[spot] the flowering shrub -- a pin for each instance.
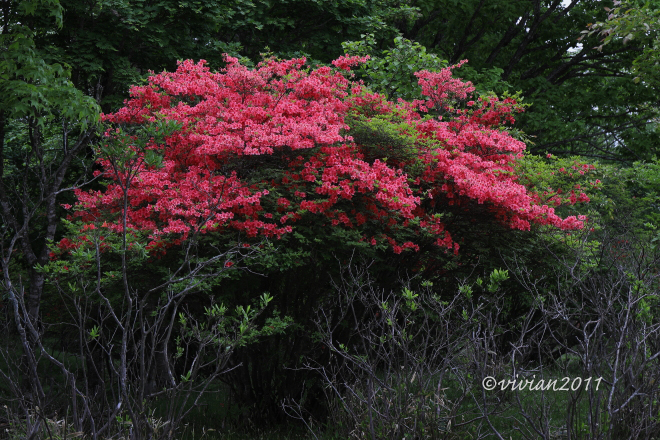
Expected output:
(196, 151)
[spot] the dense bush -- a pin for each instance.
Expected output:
(283, 150)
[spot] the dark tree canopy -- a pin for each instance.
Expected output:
(113, 44)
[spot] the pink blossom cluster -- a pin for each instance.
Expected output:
(284, 117)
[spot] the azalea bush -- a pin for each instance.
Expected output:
(216, 179)
(259, 151)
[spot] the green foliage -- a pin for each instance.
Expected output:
(630, 197)
(391, 71)
(148, 139)
(497, 277)
(618, 194)
(555, 179)
(634, 22)
(383, 137)
(33, 87)
(112, 44)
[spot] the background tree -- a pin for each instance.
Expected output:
(45, 123)
(583, 99)
(112, 45)
(633, 22)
